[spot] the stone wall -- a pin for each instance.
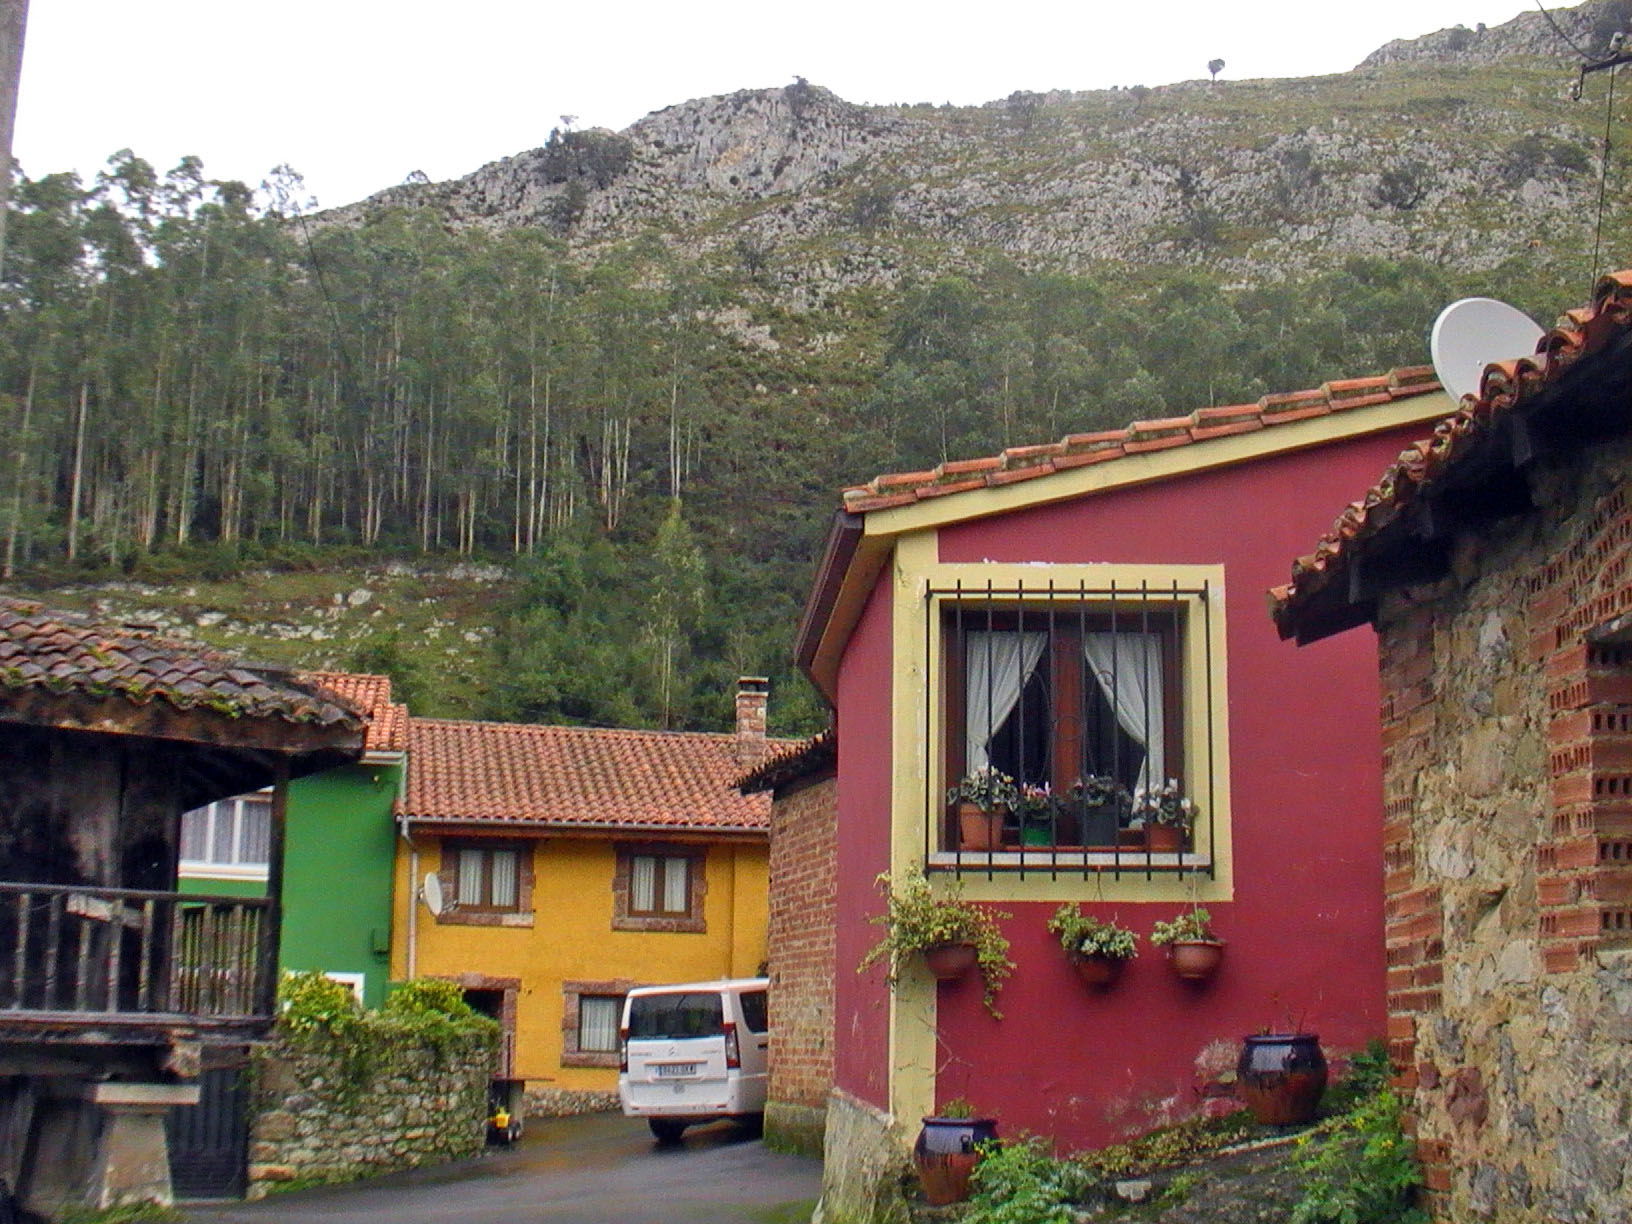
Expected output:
(1507, 720)
(801, 939)
(866, 1172)
(314, 1121)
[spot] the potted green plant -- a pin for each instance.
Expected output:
(1193, 950)
(948, 1149)
(1166, 815)
(1034, 805)
(1099, 803)
(1097, 950)
(983, 798)
(952, 934)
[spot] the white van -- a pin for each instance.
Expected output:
(694, 1052)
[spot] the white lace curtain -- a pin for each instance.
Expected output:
(1128, 667)
(997, 664)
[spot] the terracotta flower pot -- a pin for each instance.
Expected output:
(1165, 839)
(1195, 959)
(949, 961)
(978, 828)
(1098, 971)
(946, 1153)
(1281, 1077)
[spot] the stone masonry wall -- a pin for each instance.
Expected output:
(307, 1124)
(802, 900)
(1507, 731)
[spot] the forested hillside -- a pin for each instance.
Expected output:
(639, 433)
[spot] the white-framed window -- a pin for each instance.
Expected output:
(229, 839)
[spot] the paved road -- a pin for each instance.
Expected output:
(601, 1169)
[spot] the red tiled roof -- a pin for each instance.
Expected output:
(577, 777)
(1504, 387)
(803, 759)
(387, 722)
(67, 654)
(1079, 450)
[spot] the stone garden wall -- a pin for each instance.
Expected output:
(317, 1119)
(1507, 730)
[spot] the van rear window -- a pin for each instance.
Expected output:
(754, 1011)
(676, 1015)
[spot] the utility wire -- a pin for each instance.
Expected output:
(1603, 186)
(1557, 29)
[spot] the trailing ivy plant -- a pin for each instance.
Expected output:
(916, 918)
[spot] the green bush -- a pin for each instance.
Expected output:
(1021, 1183)
(1360, 1168)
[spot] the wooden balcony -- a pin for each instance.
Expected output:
(80, 963)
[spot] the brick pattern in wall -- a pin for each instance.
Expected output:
(802, 924)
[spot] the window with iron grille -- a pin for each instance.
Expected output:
(230, 837)
(1084, 706)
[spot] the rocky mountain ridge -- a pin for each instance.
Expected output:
(1420, 152)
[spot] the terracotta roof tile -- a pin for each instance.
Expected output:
(1503, 387)
(1020, 463)
(387, 721)
(71, 655)
(577, 777)
(804, 759)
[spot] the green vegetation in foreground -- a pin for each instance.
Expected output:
(1355, 1166)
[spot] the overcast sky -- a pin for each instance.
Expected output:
(356, 94)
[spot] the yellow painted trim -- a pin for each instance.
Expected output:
(917, 766)
(1159, 465)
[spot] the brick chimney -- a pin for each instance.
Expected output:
(752, 694)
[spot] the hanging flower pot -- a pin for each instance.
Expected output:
(1098, 971)
(1195, 960)
(949, 961)
(946, 1153)
(1281, 1077)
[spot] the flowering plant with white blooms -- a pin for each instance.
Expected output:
(1164, 805)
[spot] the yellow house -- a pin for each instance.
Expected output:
(570, 864)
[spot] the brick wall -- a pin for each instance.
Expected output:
(1507, 732)
(802, 882)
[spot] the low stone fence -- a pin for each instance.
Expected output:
(323, 1113)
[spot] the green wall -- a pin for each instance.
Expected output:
(337, 874)
(337, 861)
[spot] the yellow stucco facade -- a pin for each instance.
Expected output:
(568, 937)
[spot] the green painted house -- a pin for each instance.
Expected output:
(338, 848)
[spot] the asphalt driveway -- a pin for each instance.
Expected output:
(600, 1169)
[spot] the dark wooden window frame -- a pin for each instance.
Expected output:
(572, 995)
(626, 918)
(466, 913)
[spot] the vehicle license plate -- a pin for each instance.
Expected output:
(665, 1070)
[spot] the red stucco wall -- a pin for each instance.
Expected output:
(1305, 929)
(861, 1002)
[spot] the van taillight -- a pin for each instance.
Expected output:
(623, 1049)
(733, 1055)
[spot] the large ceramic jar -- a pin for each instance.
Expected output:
(946, 1153)
(1281, 1077)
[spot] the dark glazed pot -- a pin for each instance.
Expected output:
(1281, 1077)
(949, 961)
(947, 1151)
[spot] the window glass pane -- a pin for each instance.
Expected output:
(674, 885)
(643, 883)
(598, 1022)
(504, 879)
(195, 833)
(676, 1015)
(255, 832)
(470, 877)
(755, 1013)
(221, 831)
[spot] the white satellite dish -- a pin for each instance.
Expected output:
(1471, 334)
(431, 893)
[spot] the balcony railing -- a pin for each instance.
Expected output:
(72, 955)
